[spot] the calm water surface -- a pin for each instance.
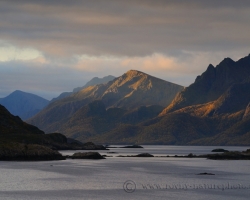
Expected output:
(147, 178)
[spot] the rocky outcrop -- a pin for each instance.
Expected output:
(92, 146)
(87, 155)
(30, 152)
(144, 155)
(205, 173)
(133, 146)
(232, 155)
(219, 150)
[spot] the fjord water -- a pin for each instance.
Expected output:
(154, 178)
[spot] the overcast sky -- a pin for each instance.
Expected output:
(48, 47)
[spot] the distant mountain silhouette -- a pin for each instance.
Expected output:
(129, 91)
(93, 81)
(23, 104)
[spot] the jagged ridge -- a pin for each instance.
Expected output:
(212, 83)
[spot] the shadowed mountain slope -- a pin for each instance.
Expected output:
(93, 119)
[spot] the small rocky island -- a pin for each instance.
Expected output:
(230, 155)
(225, 155)
(135, 146)
(219, 150)
(87, 155)
(138, 155)
(132, 146)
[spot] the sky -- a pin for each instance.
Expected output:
(48, 47)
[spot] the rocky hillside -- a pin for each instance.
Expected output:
(128, 92)
(214, 110)
(23, 104)
(212, 83)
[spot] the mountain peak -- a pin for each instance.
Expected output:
(208, 74)
(134, 73)
(17, 91)
(210, 66)
(23, 104)
(227, 61)
(211, 84)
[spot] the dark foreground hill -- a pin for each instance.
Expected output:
(20, 141)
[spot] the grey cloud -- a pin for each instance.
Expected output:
(132, 28)
(120, 28)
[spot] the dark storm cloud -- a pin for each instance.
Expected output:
(133, 28)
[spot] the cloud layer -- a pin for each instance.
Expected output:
(169, 39)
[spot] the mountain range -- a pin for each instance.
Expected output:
(214, 110)
(26, 105)
(23, 104)
(137, 108)
(132, 95)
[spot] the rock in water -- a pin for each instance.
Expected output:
(87, 155)
(144, 155)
